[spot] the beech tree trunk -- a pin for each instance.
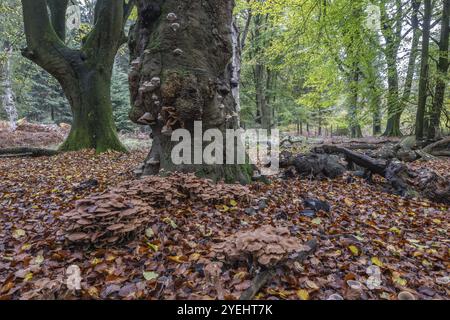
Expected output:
(442, 68)
(182, 72)
(85, 74)
(415, 4)
(391, 30)
(423, 82)
(355, 127)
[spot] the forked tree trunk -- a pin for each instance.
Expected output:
(181, 73)
(85, 74)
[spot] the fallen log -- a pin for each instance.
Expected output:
(27, 152)
(363, 146)
(404, 181)
(313, 165)
(374, 165)
(438, 147)
(267, 275)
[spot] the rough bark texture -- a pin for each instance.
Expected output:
(182, 56)
(85, 74)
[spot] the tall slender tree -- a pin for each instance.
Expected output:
(392, 33)
(442, 73)
(84, 74)
(424, 72)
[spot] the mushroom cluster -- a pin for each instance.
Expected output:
(105, 219)
(171, 190)
(266, 246)
(126, 211)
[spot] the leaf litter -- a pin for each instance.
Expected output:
(372, 245)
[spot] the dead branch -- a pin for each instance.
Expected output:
(27, 152)
(265, 276)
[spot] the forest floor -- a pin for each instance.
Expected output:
(407, 239)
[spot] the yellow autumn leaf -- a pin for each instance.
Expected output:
(18, 233)
(354, 250)
(93, 292)
(282, 294)
(233, 203)
(349, 202)
(170, 222)
(426, 263)
(303, 294)
(194, 257)
(28, 276)
(39, 259)
(396, 230)
(240, 275)
(110, 258)
(150, 275)
(377, 262)
(259, 296)
(176, 259)
(400, 281)
(152, 246)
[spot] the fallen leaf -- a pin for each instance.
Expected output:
(303, 294)
(150, 275)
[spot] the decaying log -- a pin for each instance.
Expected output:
(403, 180)
(315, 165)
(374, 165)
(439, 146)
(363, 146)
(265, 276)
(27, 152)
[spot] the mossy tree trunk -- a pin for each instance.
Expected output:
(182, 73)
(85, 74)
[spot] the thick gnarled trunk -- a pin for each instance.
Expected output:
(181, 73)
(85, 74)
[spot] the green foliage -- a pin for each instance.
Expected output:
(326, 55)
(120, 98)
